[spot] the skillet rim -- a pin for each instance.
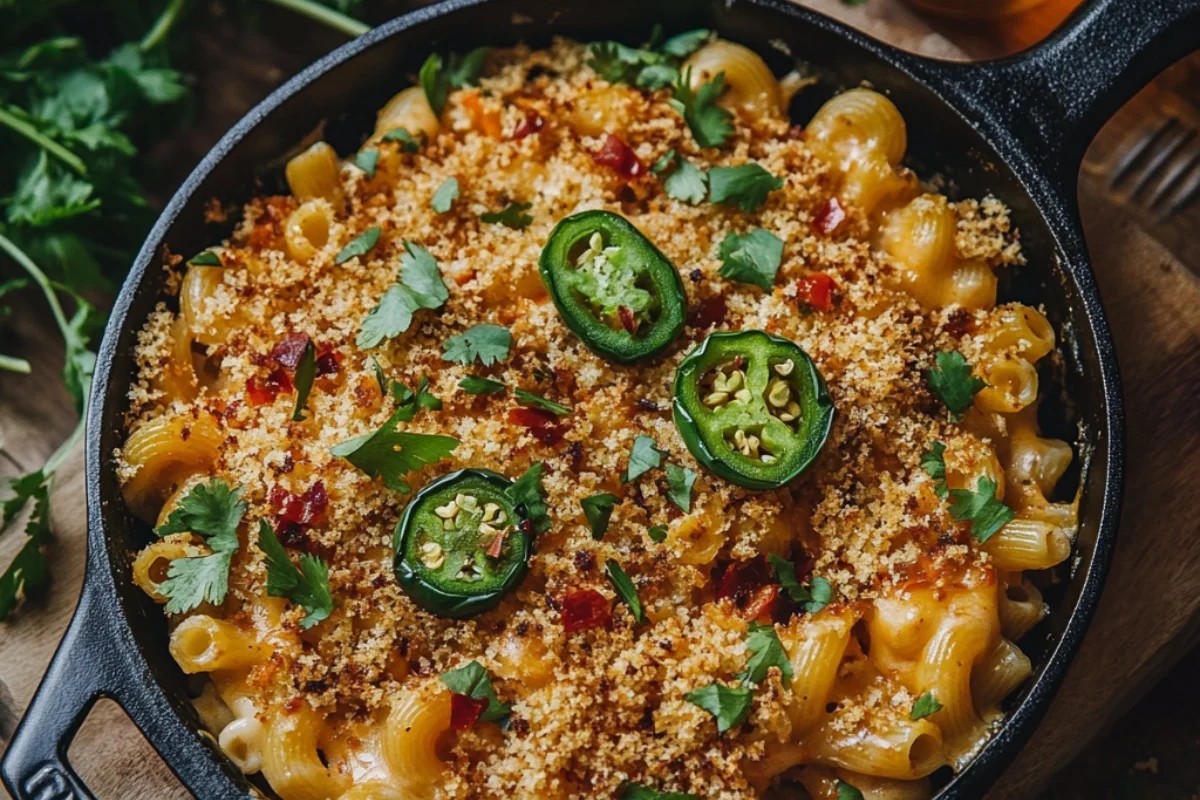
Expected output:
(1054, 203)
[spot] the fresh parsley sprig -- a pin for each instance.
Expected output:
(527, 491)
(952, 382)
(391, 454)
(420, 287)
(811, 598)
(710, 124)
(979, 506)
(438, 77)
(307, 587)
(752, 257)
(212, 511)
(488, 343)
(684, 180)
(746, 186)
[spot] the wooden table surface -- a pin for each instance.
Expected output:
(1148, 616)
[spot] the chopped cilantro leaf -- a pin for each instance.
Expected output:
(306, 371)
(362, 244)
(812, 599)
(408, 142)
(598, 510)
(710, 124)
(391, 454)
(845, 790)
(657, 76)
(766, 651)
(207, 258)
(420, 286)
(367, 160)
(981, 507)
(679, 486)
(472, 680)
(951, 380)
(445, 195)
(729, 706)
(682, 45)
(925, 705)
(527, 491)
(488, 343)
(933, 461)
(530, 399)
(752, 257)
(438, 78)
(685, 182)
(213, 512)
(307, 587)
(636, 791)
(513, 216)
(746, 186)
(625, 588)
(657, 533)
(474, 384)
(644, 456)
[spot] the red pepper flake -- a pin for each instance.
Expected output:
(289, 351)
(628, 321)
(532, 123)
(465, 711)
(708, 312)
(620, 156)
(497, 545)
(295, 513)
(583, 609)
(816, 291)
(829, 218)
(542, 425)
(328, 363)
(761, 603)
(265, 391)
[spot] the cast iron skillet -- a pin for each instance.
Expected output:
(1017, 128)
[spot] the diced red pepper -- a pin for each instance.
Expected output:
(620, 156)
(583, 609)
(829, 218)
(742, 579)
(708, 312)
(265, 391)
(761, 603)
(542, 425)
(465, 711)
(289, 351)
(328, 363)
(532, 123)
(297, 512)
(816, 291)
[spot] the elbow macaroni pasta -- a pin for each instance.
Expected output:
(352, 709)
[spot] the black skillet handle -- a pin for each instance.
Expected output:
(1056, 96)
(35, 766)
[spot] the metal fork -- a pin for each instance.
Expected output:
(1161, 170)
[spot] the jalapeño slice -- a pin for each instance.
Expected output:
(462, 544)
(752, 408)
(612, 286)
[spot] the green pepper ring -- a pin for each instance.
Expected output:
(709, 447)
(617, 345)
(434, 598)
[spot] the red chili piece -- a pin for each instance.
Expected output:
(289, 351)
(298, 512)
(620, 156)
(742, 580)
(583, 609)
(532, 123)
(328, 363)
(708, 312)
(465, 711)
(830, 217)
(817, 291)
(265, 391)
(542, 425)
(761, 603)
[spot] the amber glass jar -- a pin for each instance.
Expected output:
(975, 9)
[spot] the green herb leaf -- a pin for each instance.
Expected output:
(213, 512)
(981, 507)
(530, 399)
(598, 509)
(685, 182)
(625, 588)
(846, 791)
(934, 463)
(952, 382)
(513, 216)
(420, 286)
(445, 195)
(28, 569)
(682, 45)
(746, 186)
(206, 258)
(361, 245)
(472, 681)
(408, 142)
(657, 533)
(729, 706)
(679, 486)
(752, 257)
(437, 78)
(383, 380)
(307, 587)
(619, 63)
(527, 491)
(636, 791)
(811, 599)
(391, 454)
(488, 343)
(474, 384)
(306, 371)
(710, 124)
(367, 160)
(925, 705)
(657, 76)
(409, 402)
(425, 398)
(644, 456)
(766, 651)
(192, 581)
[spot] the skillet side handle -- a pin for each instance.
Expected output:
(35, 766)
(1056, 96)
